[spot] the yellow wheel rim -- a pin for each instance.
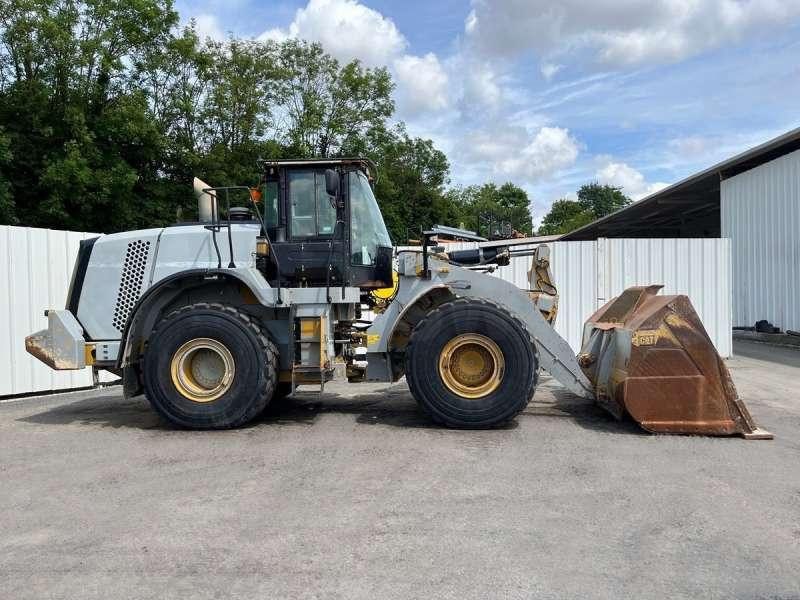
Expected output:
(202, 369)
(471, 365)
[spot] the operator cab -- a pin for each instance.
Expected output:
(324, 225)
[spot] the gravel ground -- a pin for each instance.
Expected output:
(356, 494)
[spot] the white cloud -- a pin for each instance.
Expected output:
(549, 70)
(350, 30)
(207, 26)
(618, 32)
(471, 22)
(692, 145)
(551, 150)
(480, 85)
(347, 30)
(422, 84)
(631, 181)
(275, 34)
(516, 152)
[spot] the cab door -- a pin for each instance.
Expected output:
(311, 217)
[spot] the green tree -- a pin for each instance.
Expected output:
(594, 201)
(327, 107)
(516, 207)
(486, 208)
(80, 134)
(412, 174)
(176, 84)
(7, 209)
(564, 216)
(601, 200)
(237, 112)
(110, 111)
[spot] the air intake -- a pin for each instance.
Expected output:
(130, 283)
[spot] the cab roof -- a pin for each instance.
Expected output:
(366, 165)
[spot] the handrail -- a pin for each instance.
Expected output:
(214, 227)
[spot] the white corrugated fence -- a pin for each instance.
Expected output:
(35, 269)
(37, 265)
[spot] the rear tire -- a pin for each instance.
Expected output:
(209, 366)
(471, 364)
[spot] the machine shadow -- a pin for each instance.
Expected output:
(391, 406)
(384, 407)
(106, 410)
(585, 413)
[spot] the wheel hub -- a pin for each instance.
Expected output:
(471, 365)
(202, 369)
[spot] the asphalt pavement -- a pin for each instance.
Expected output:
(356, 494)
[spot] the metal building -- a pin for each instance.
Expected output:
(754, 200)
(760, 212)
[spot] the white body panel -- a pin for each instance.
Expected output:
(191, 247)
(100, 292)
(110, 290)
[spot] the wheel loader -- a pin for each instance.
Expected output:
(214, 319)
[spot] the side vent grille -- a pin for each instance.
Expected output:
(130, 284)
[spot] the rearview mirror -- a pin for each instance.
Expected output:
(332, 183)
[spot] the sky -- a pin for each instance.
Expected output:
(551, 95)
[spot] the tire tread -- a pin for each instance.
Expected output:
(441, 311)
(270, 381)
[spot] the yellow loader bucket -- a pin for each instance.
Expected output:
(649, 356)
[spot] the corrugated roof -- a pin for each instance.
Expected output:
(689, 206)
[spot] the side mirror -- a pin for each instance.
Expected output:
(332, 183)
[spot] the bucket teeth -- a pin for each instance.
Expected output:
(649, 356)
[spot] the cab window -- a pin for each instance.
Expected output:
(367, 229)
(271, 204)
(312, 213)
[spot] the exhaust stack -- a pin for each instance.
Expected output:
(206, 202)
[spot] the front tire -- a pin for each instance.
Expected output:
(209, 366)
(471, 364)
